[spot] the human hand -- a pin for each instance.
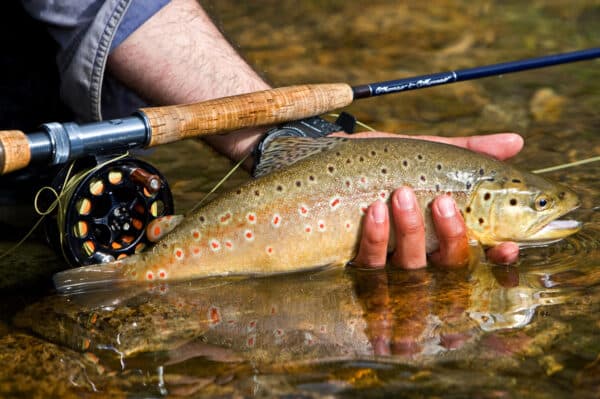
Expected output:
(408, 221)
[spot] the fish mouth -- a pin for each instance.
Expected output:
(553, 231)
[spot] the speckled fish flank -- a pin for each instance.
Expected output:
(307, 212)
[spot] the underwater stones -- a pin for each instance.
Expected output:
(546, 105)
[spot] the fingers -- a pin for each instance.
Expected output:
(373, 245)
(503, 254)
(410, 236)
(500, 146)
(451, 232)
(410, 230)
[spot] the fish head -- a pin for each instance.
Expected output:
(521, 207)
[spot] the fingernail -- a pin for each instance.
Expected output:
(445, 206)
(378, 212)
(404, 199)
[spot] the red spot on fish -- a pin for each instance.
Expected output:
(196, 251)
(303, 210)
(276, 221)
(178, 253)
(162, 274)
(335, 202)
(251, 341)
(224, 219)
(270, 250)
(252, 324)
(273, 310)
(149, 275)
(251, 217)
(249, 235)
(279, 332)
(229, 244)
(214, 316)
(215, 245)
(156, 231)
(321, 225)
(363, 180)
(196, 234)
(307, 228)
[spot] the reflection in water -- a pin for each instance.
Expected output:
(270, 325)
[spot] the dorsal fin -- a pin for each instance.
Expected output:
(285, 151)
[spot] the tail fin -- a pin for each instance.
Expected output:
(89, 278)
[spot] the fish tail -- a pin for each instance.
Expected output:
(89, 277)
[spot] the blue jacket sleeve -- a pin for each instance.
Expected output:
(86, 31)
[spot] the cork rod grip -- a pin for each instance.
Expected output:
(15, 153)
(177, 122)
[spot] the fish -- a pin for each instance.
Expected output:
(305, 210)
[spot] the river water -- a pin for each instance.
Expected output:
(527, 330)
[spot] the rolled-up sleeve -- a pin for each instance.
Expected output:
(86, 31)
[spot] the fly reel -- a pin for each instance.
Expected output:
(107, 206)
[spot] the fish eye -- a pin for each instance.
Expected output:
(542, 202)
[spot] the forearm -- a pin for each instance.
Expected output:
(179, 56)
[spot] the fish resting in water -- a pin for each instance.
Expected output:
(305, 210)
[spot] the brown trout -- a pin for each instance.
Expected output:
(305, 210)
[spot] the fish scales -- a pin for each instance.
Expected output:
(309, 214)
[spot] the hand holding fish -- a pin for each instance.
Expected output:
(408, 223)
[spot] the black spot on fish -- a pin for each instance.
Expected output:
(481, 220)
(468, 185)
(468, 210)
(419, 157)
(338, 153)
(331, 169)
(257, 193)
(487, 196)
(238, 191)
(516, 181)
(437, 187)
(384, 171)
(201, 219)
(385, 149)
(405, 163)
(513, 201)
(373, 153)
(279, 188)
(438, 167)
(298, 183)
(481, 172)
(423, 178)
(361, 159)
(348, 160)
(311, 178)
(561, 195)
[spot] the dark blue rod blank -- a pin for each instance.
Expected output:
(436, 79)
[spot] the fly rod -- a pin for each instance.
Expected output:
(58, 143)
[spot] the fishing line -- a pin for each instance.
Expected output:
(359, 123)
(223, 180)
(567, 165)
(69, 185)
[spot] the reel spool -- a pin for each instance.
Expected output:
(106, 213)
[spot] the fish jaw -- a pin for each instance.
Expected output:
(554, 231)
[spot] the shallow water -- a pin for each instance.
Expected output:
(529, 330)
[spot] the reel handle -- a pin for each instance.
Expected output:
(178, 122)
(15, 152)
